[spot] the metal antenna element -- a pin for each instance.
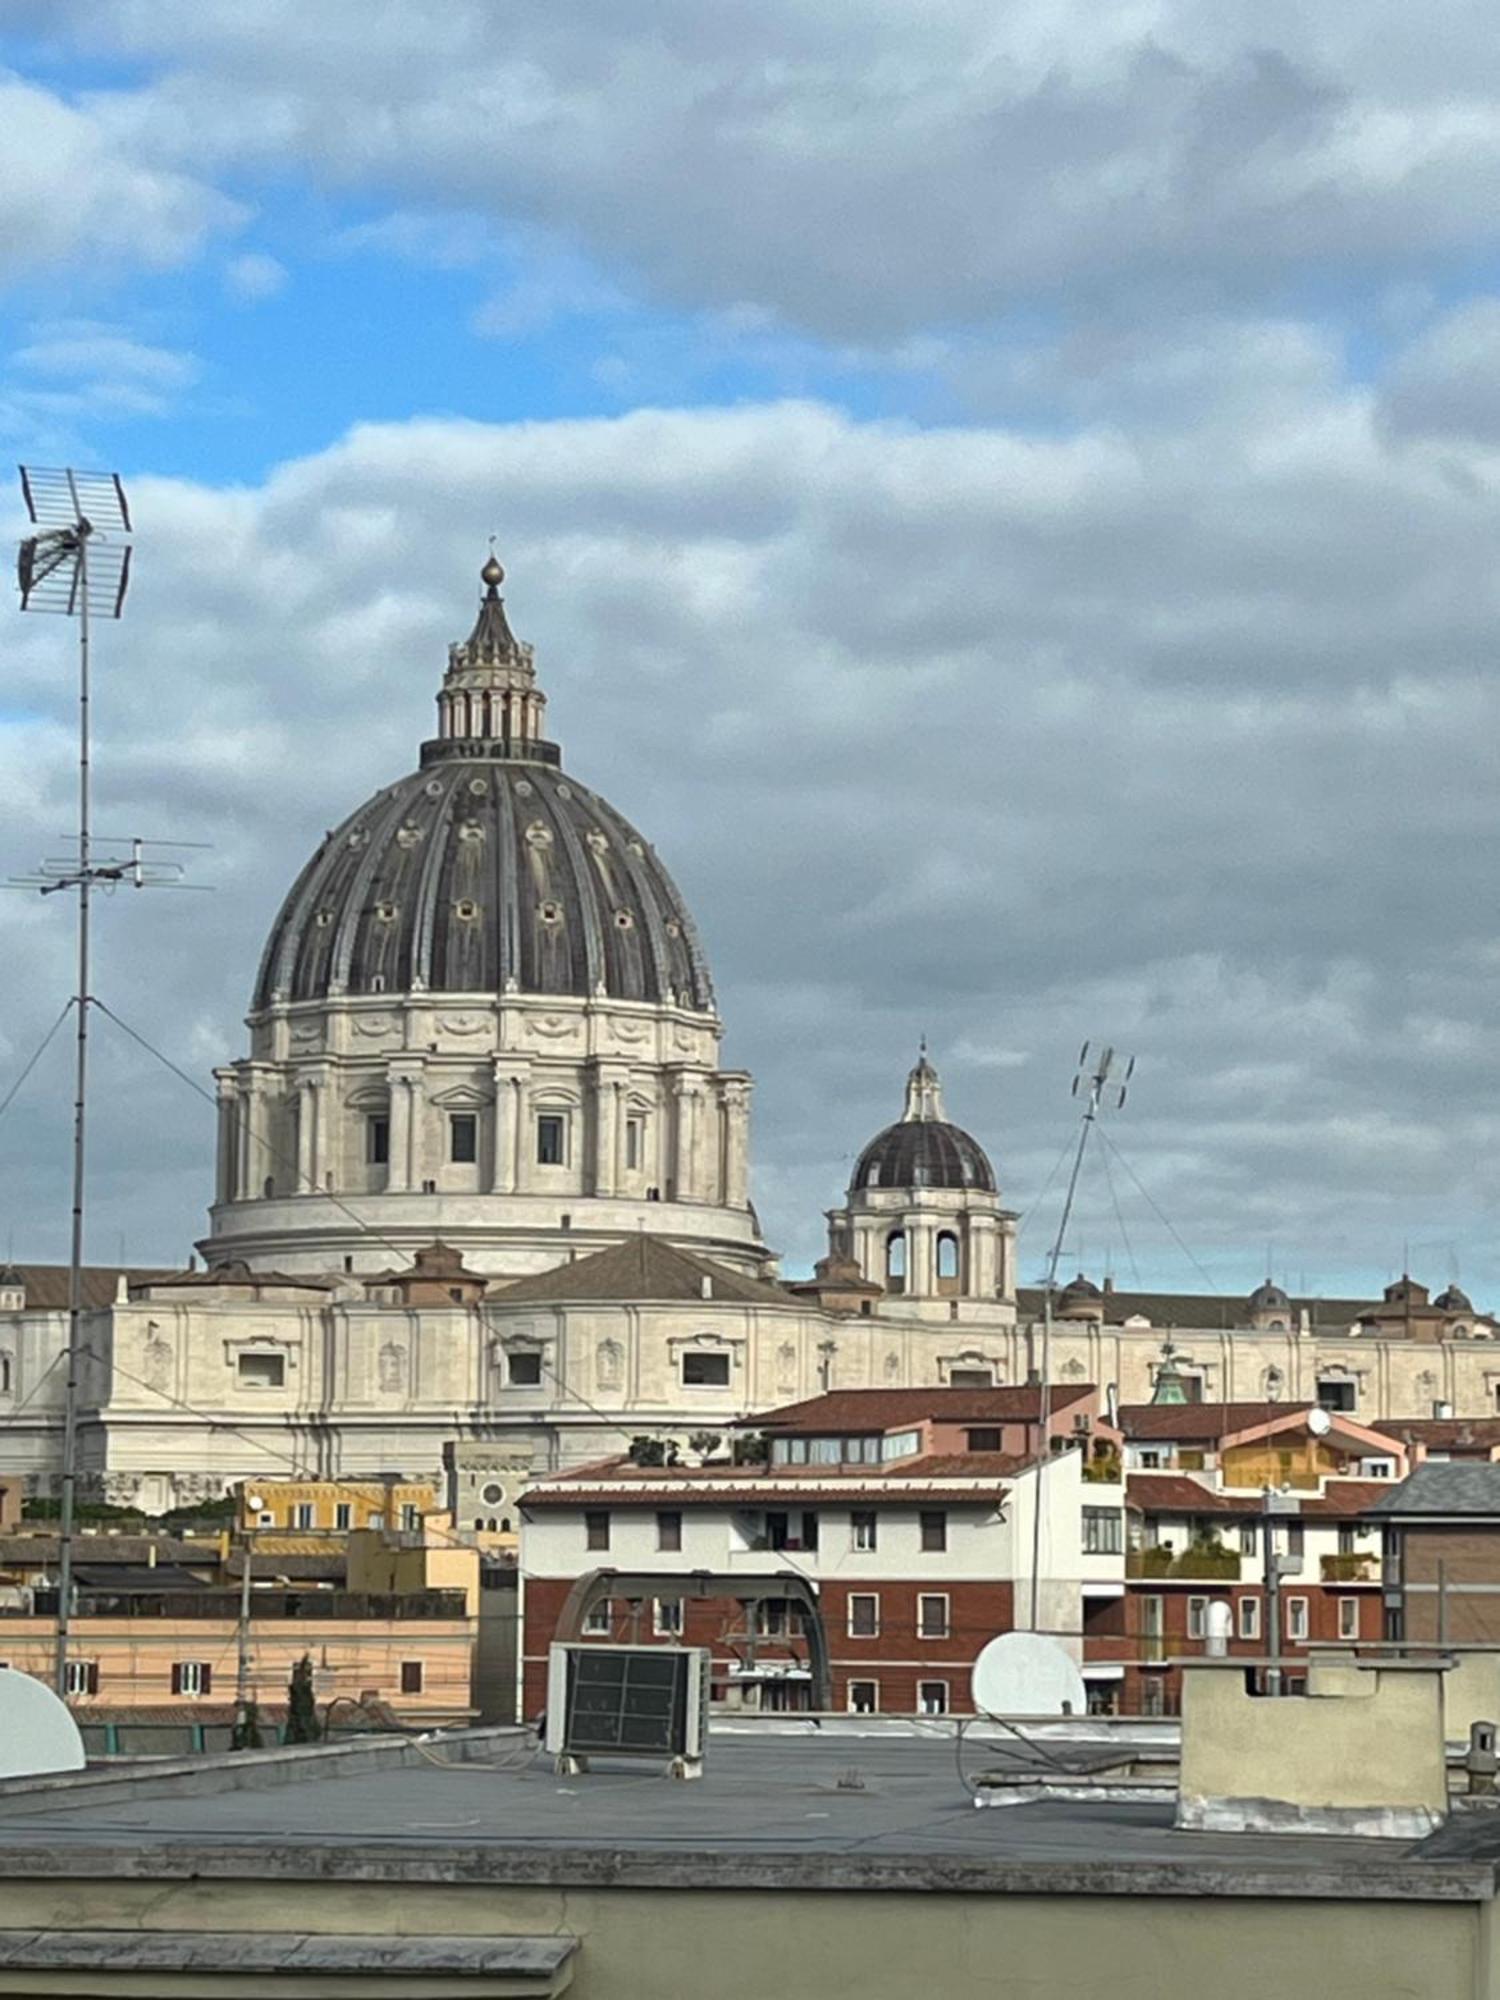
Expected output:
(77, 565)
(1101, 1081)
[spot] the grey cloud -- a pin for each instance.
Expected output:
(1009, 740)
(858, 169)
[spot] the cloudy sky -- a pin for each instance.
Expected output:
(1005, 497)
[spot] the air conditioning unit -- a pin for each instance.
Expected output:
(628, 1701)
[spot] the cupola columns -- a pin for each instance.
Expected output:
(489, 693)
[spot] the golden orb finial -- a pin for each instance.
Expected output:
(493, 574)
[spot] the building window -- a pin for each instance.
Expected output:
(971, 1378)
(302, 1515)
(864, 1614)
(1334, 1393)
(262, 1371)
(265, 1520)
(634, 1132)
(411, 1676)
(598, 1621)
(1197, 1617)
(932, 1697)
(378, 1141)
(895, 1261)
(343, 1516)
(1348, 1617)
(667, 1620)
(864, 1697)
(949, 1264)
(1249, 1617)
(1248, 1536)
(1296, 1538)
(669, 1531)
(596, 1528)
(1346, 1540)
(463, 1138)
(705, 1371)
(82, 1676)
(934, 1522)
(192, 1677)
(1103, 1531)
(771, 1620)
(1296, 1618)
(864, 1533)
(411, 1517)
(986, 1437)
(522, 1370)
(932, 1617)
(552, 1140)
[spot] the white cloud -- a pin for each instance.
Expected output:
(253, 276)
(71, 191)
(860, 167)
(1014, 740)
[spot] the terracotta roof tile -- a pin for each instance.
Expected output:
(871, 1410)
(642, 1267)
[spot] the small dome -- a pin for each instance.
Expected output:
(922, 1150)
(1079, 1289)
(1453, 1301)
(924, 1153)
(1269, 1298)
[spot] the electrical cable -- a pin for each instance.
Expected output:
(9, 1098)
(1109, 1181)
(1161, 1215)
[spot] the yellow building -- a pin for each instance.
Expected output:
(333, 1506)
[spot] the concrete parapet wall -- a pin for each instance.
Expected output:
(1365, 1754)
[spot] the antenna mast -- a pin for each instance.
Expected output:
(77, 565)
(1102, 1079)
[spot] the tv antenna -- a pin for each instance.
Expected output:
(1100, 1081)
(77, 565)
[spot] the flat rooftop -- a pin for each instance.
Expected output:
(814, 1809)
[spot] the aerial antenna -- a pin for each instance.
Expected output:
(77, 565)
(1100, 1081)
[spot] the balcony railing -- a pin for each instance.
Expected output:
(1352, 1568)
(1210, 1564)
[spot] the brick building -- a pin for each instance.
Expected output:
(1441, 1530)
(915, 1552)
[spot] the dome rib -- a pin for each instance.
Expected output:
(915, 1153)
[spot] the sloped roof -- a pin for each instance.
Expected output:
(622, 1483)
(1445, 1489)
(47, 1284)
(1207, 1311)
(1198, 1423)
(1478, 1434)
(1177, 1493)
(885, 1409)
(642, 1267)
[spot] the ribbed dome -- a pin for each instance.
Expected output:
(487, 870)
(924, 1153)
(1268, 1297)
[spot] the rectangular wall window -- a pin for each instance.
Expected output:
(192, 1677)
(1346, 1540)
(523, 1370)
(83, 1676)
(378, 1141)
(934, 1530)
(932, 1697)
(667, 1621)
(864, 1614)
(596, 1528)
(552, 1140)
(864, 1533)
(262, 1371)
(669, 1531)
(864, 1697)
(772, 1619)
(411, 1517)
(1103, 1531)
(598, 1621)
(1248, 1537)
(633, 1146)
(705, 1371)
(1249, 1617)
(1348, 1617)
(1296, 1619)
(463, 1138)
(343, 1516)
(1334, 1393)
(302, 1515)
(983, 1438)
(932, 1617)
(1197, 1617)
(411, 1676)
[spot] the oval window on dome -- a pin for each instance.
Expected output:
(386, 912)
(624, 920)
(524, 788)
(565, 791)
(434, 788)
(465, 910)
(479, 786)
(550, 913)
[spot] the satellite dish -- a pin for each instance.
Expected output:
(1026, 1673)
(1318, 1421)
(37, 1734)
(254, 1502)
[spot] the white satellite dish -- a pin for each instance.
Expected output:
(1026, 1673)
(254, 1502)
(37, 1734)
(1318, 1421)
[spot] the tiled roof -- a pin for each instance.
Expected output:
(1480, 1434)
(1346, 1499)
(1176, 1493)
(47, 1284)
(1470, 1489)
(748, 1485)
(1203, 1311)
(853, 1410)
(1198, 1423)
(642, 1267)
